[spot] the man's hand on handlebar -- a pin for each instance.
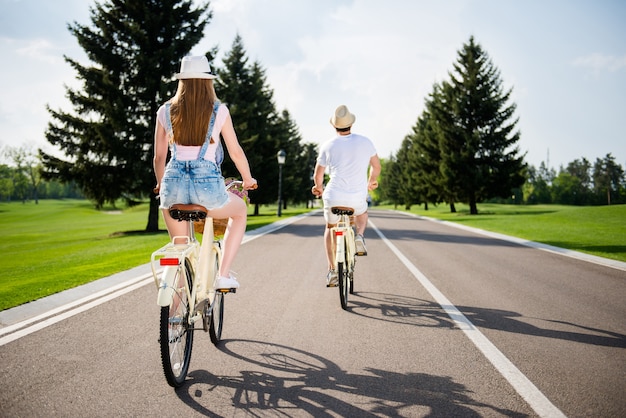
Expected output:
(317, 191)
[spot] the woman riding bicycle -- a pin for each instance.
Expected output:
(190, 124)
(348, 157)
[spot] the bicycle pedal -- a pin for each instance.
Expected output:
(231, 290)
(202, 304)
(175, 320)
(332, 285)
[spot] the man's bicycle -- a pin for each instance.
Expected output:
(186, 288)
(345, 252)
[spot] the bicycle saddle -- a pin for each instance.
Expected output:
(342, 210)
(182, 212)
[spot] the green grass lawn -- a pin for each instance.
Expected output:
(59, 244)
(597, 230)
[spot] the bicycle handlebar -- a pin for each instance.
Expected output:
(239, 184)
(229, 186)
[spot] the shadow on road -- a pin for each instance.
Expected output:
(418, 312)
(290, 382)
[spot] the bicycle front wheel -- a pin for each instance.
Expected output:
(216, 315)
(176, 334)
(217, 318)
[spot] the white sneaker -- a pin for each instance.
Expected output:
(332, 280)
(359, 242)
(226, 283)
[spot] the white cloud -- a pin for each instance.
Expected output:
(601, 62)
(39, 50)
(34, 77)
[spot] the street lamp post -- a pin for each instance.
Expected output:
(280, 156)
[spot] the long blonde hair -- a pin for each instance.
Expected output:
(191, 109)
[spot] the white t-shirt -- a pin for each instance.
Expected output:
(347, 159)
(186, 153)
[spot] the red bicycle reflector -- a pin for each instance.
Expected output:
(338, 233)
(169, 261)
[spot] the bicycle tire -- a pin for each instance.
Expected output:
(353, 266)
(176, 334)
(344, 281)
(217, 318)
(352, 281)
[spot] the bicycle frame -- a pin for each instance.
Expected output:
(202, 257)
(187, 290)
(344, 254)
(343, 232)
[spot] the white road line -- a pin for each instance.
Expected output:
(67, 314)
(522, 385)
(607, 262)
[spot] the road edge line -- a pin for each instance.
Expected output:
(603, 261)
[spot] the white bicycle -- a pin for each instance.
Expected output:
(186, 288)
(345, 251)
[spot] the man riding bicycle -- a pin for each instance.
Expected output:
(353, 167)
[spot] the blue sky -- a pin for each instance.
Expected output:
(564, 59)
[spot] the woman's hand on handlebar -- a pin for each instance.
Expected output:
(250, 184)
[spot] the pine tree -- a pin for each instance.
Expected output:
(300, 161)
(261, 130)
(477, 137)
(426, 156)
(406, 189)
(242, 88)
(134, 48)
(389, 181)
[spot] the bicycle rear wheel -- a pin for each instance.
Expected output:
(351, 277)
(176, 334)
(352, 254)
(344, 285)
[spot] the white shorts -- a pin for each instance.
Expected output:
(359, 206)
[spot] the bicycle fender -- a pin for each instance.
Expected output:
(165, 294)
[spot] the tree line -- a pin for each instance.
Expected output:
(462, 148)
(21, 180)
(578, 183)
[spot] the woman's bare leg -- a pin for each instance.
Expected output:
(174, 227)
(237, 211)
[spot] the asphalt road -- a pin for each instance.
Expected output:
(445, 322)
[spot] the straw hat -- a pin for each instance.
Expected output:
(342, 118)
(195, 67)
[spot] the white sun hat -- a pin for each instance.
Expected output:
(342, 118)
(195, 67)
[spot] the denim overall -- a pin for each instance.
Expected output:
(196, 181)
